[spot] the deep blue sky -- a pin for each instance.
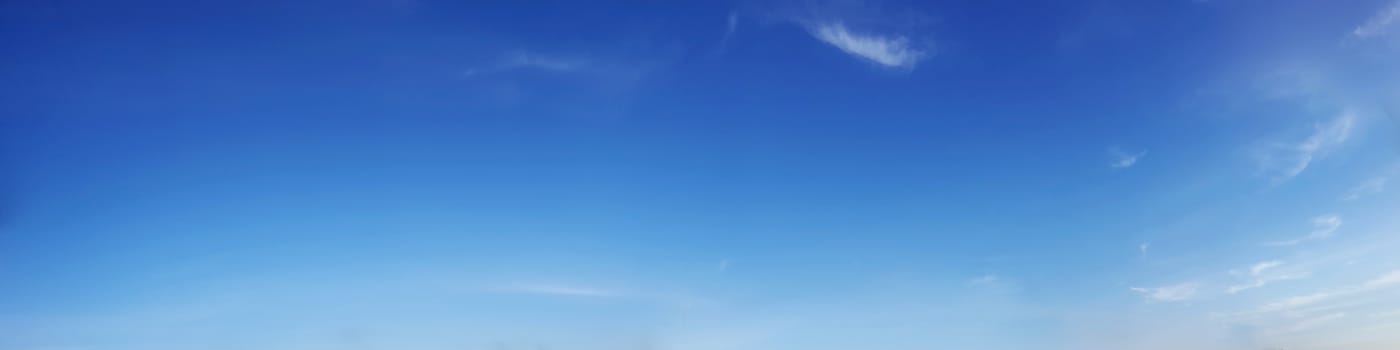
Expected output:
(710, 175)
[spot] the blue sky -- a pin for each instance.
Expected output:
(710, 175)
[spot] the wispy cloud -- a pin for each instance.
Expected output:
(1292, 303)
(1316, 321)
(1122, 159)
(1179, 292)
(529, 60)
(723, 265)
(894, 51)
(1380, 24)
(1142, 249)
(555, 290)
(731, 25)
(1259, 277)
(1259, 268)
(1289, 160)
(1323, 227)
(982, 280)
(1369, 187)
(1387, 279)
(1247, 286)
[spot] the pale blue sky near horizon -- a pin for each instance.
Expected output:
(700, 175)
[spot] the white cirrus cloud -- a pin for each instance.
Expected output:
(1324, 226)
(983, 280)
(1386, 280)
(1257, 268)
(1287, 161)
(731, 23)
(1371, 186)
(1178, 292)
(894, 51)
(552, 289)
(1259, 276)
(530, 61)
(1380, 24)
(1122, 159)
(1316, 321)
(1247, 286)
(542, 62)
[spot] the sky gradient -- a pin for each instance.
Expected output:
(700, 175)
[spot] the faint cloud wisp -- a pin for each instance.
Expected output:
(1123, 160)
(1380, 24)
(983, 280)
(1369, 187)
(1290, 160)
(889, 51)
(1259, 276)
(555, 290)
(1324, 226)
(1178, 292)
(1291, 303)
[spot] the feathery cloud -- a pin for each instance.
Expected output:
(1316, 321)
(983, 280)
(529, 60)
(1380, 24)
(1247, 286)
(542, 62)
(1261, 267)
(1369, 187)
(1292, 159)
(1324, 226)
(1179, 292)
(1259, 277)
(1387, 279)
(889, 51)
(556, 290)
(1291, 303)
(731, 23)
(1123, 159)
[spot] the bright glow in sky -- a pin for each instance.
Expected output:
(700, 175)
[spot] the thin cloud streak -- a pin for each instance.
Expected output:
(1260, 278)
(1179, 292)
(1295, 158)
(731, 24)
(1380, 24)
(1261, 267)
(1293, 303)
(1124, 160)
(1258, 268)
(1369, 187)
(556, 290)
(528, 60)
(983, 280)
(543, 62)
(888, 51)
(1316, 321)
(1323, 227)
